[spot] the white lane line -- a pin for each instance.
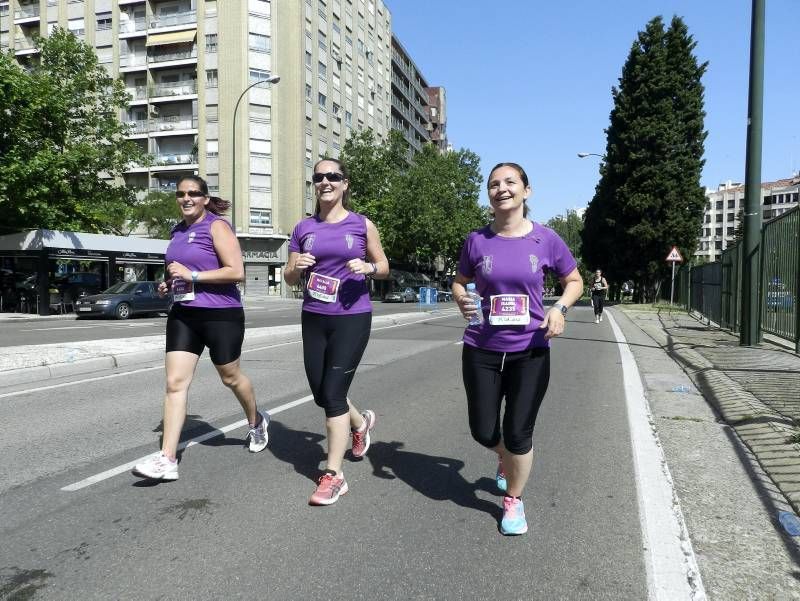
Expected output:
(126, 467)
(672, 571)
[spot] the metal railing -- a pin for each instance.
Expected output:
(714, 289)
(173, 123)
(173, 20)
(177, 88)
(26, 10)
(160, 56)
(174, 159)
(133, 25)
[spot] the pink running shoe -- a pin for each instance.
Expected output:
(329, 489)
(361, 438)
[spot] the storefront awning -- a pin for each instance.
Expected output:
(173, 37)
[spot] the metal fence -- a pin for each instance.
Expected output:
(713, 289)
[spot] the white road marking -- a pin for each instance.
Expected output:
(126, 467)
(672, 571)
(145, 324)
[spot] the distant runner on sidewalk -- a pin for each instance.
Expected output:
(332, 254)
(204, 262)
(507, 355)
(599, 287)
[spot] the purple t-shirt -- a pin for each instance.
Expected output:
(509, 276)
(193, 246)
(329, 287)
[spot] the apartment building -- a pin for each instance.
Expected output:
(437, 117)
(188, 66)
(723, 206)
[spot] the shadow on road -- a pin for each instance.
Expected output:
(437, 478)
(298, 448)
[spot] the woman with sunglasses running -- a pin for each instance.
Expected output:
(332, 254)
(204, 263)
(506, 354)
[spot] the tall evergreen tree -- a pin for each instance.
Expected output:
(649, 195)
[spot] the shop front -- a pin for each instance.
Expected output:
(264, 259)
(44, 271)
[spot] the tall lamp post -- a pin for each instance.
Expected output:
(270, 79)
(583, 155)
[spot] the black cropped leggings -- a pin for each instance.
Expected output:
(521, 378)
(332, 349)
(597, 303)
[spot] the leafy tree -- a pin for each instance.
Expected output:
(437, 206)
(62, 146)
(423, 208)
(649, 195)
(157, 214)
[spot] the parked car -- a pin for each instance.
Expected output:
(406, 295)
(124, 300)
(444, 296)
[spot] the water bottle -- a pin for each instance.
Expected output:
(476, 319)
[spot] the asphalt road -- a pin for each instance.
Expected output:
(258, 314)
(420, 520)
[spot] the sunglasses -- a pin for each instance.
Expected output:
(331, 176)
(190, 193)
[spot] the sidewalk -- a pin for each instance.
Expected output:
(755, 390)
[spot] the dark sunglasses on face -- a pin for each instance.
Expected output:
(331, 176)
(192, 193)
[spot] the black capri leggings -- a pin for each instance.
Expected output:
(521, 378)
(332, 349)
(597, 303)
(191, 329)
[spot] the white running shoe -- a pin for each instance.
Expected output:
(258, 436)
(597, 320)
(601, 317)
(157, 467)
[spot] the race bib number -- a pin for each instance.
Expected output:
(182, 290)
(322, 287)
(509, 309)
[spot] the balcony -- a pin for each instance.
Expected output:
(25, 45)
(176, 20)
(137, 93)
(178, 88)
(169, 55)
(26, 13)
(137, 127)
(132, 28)
(132, 62)
(175, 124)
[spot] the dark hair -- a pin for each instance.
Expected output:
(523, 176)
(215, 204)
(343, 169)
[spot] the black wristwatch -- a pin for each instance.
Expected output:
(561, 307)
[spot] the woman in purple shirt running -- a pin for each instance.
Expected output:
(331, 254)
(204, 263)
(507, 355)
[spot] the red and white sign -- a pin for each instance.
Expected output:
(674, 256)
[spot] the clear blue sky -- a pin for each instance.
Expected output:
(530, 81)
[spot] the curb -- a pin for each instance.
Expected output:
(155, 351)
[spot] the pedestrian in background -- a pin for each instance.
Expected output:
(507, 355)
(332, 253)
(599, 286)
(204, 263)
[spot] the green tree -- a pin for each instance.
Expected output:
(436, 206)
(62, 146)
(157, 214)
(649, 195)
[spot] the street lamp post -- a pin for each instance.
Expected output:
(583, 155)
(270, 79)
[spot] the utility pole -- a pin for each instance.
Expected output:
(751, 265)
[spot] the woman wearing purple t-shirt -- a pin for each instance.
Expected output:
(507, 354)
(204, 262)
(331, 254)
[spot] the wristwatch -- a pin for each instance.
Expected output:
(195, 275)
(561, 307)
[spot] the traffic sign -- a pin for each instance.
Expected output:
(674, 256)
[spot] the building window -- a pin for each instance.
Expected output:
(348, 117)
(103, 21)
(260, 148)
(211, 42)
(260, 217)
(259, 75)
(309, 60)
(323, 70)
(322, 99)
(309, 92)
(212, 148)
(259, 43)
(211, 78)
(76, 26)
(260, 113)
